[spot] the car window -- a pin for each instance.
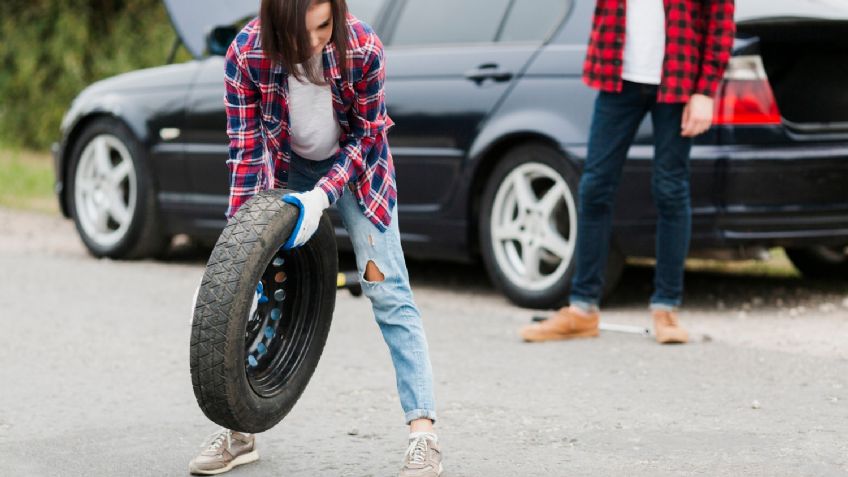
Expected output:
(532, 20)
(366, 10)
(429, 22)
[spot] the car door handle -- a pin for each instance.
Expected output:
(489, 71)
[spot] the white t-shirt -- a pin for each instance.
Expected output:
(644, 43)
(315, 130)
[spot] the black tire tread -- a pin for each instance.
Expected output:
(245, 240)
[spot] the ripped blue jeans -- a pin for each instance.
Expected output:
(392, 301)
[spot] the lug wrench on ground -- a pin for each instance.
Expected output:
(350, 282)
(630, 329)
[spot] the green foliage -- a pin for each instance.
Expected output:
(26, 181)
(51, 49)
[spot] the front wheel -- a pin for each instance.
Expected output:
(111, 194)
(528, 227)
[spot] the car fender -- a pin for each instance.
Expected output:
(78, 116)
(503, 133)
(506, 131)
(545, 125)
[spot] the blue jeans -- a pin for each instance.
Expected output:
(392, 301)
(615, 122)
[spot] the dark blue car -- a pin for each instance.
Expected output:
(492, 124)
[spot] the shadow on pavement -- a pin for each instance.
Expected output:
(704, 289)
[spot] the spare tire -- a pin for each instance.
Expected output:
(262, 316)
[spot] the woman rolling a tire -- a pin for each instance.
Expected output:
(306, 111)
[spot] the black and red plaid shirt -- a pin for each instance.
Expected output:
(258, 123)
(699, 37)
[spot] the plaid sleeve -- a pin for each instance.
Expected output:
(368, 120)
(246, 157)
(721, 30)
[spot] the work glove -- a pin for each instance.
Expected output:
(311, 205)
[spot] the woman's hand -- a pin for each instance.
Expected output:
(697, 116)
(312, 205)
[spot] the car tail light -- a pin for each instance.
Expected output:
(746, 95)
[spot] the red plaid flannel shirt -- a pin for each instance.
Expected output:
(699, 38)
(260, 133)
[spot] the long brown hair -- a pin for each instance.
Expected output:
(284, 35)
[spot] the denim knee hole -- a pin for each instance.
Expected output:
(372, 273)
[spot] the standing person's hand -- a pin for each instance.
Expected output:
(311, 205)
(697, 116)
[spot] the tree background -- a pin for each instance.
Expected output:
(51, 49)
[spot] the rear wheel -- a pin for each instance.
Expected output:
(820, 261)
(528, 227)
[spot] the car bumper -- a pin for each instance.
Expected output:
(793, 195)
(784, 226)
(781, 194)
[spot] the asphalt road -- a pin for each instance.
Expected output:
(94, 377)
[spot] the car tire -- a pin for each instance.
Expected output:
(262, 316)
(547, 227)
(820, 261)
(111, 195)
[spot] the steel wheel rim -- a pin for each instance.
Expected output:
(105, 190)
(533, 226)
(279, 330)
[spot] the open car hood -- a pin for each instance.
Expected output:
(193, 20)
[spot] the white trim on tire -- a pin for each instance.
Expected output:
(532, 209)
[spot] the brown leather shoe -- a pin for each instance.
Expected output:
(667, 328)
(564, 325)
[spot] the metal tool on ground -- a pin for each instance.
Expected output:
(630, 329)
(350, 282)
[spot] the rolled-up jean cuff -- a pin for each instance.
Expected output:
(416, 414)
(656, 306)
(586, 305)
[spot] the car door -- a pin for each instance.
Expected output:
(446, 72)
(206, 143)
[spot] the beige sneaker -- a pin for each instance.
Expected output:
(667, 328)
(225, 449)
(565, 324)
(423, 457)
